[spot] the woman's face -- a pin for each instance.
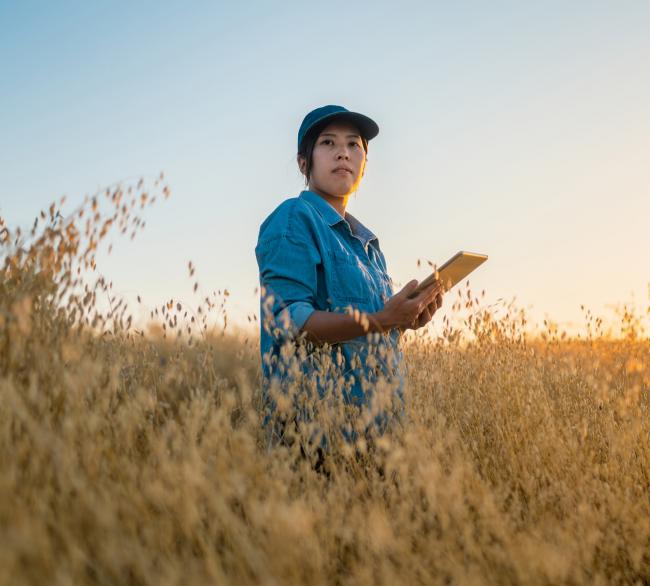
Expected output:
(338, 160)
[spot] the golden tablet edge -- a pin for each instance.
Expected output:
(459, 256)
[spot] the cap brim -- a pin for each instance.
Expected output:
(367, 126)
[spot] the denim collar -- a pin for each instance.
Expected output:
(332, 217)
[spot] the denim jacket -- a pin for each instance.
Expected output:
(311, 258)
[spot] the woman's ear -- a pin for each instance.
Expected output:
(302, 163)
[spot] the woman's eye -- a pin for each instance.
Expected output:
(329, 140)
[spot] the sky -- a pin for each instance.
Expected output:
(516, 129)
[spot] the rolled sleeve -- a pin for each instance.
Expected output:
(288, 277)
(299, 312)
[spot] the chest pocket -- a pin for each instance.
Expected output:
(348, 279)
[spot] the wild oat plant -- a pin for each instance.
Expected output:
(134, 453)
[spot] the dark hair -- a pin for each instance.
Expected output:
(308, 144)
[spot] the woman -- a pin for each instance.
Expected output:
(323, 278)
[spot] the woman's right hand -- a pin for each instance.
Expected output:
(404, 313)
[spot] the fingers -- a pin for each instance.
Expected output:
(436, 289)
(424, 303)
(431, 299)
(430, 292)
(421, 307)
(420, 303)
(425, 295)
(435, 303)
(409, 288)
(425, 316)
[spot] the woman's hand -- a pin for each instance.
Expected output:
(427, 313)
(399, 312)
(404, 313)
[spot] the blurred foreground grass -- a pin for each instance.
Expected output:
(128, 458)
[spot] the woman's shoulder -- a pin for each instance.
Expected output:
(292, 217)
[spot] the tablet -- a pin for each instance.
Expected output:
(453, 271)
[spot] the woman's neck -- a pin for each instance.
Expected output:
(338, 202)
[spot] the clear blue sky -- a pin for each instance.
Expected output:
(517, 129)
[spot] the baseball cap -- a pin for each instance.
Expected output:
(320, 117)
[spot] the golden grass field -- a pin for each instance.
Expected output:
(131, 457)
